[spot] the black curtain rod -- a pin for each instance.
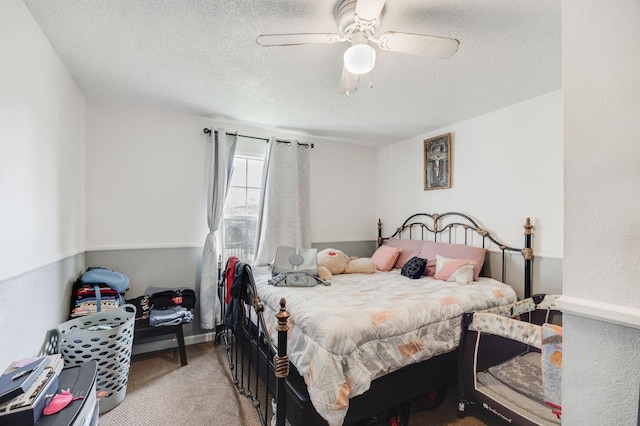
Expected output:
(207, 131)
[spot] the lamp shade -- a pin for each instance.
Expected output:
(360, 58)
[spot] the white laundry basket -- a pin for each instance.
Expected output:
(107, 338)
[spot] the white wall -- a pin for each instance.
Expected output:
(41, 151)
(343, 179)
(146, 180)
(602, 200)
(41, 180)
(506, 166)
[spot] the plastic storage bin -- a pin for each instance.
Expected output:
(107, 338)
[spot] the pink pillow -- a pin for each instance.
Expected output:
(385, 257)
(458, 270)
(410, 248)
(431, 249)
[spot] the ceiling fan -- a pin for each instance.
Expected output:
(358, 21)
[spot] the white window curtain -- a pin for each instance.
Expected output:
(222, 150)
(284, 217)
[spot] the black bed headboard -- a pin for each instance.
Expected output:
(448, 227)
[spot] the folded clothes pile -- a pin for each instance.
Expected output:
(98, 290)
(164, 308)
(170, 316)
(87, 300)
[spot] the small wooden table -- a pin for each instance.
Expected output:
(142, 331)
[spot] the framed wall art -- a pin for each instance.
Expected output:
(437, 162)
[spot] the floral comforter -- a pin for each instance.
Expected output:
(343, 336)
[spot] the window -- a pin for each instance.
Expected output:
(241, 208)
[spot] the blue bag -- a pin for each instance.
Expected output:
(115, 280)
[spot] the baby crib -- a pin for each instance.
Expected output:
(511, 361)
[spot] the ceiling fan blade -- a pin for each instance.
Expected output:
(269, 40)
(419, 44)
(369, 10)
(348, 82)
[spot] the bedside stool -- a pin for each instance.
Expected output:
(143, 331)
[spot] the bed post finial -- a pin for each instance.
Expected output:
(281, 363)
(379, 232)
(527, 253)
(283, 316)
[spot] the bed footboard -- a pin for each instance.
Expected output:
(262, 372)
(258, 368)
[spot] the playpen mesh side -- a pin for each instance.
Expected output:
(107, 338)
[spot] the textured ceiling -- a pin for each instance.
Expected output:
(200, 57)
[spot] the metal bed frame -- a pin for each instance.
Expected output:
(261, 370)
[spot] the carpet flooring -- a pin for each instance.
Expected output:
(161, 392)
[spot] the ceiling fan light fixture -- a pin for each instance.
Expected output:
(360, 58)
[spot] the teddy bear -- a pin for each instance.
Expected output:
(333, 262)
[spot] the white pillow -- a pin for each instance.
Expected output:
(454, 270)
